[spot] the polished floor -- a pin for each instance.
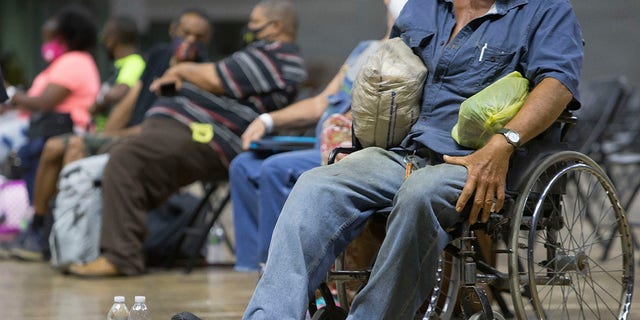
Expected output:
(34, 291)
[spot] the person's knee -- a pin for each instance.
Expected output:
(53, 149)
(238, 167)
(75, 149)
(435, 184)
(432, 190)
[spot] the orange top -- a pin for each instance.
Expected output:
(76, 71)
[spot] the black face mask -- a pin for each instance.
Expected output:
(251, 35)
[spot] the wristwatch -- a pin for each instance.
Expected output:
(512, 136)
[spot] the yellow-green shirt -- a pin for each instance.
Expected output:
(130, 69)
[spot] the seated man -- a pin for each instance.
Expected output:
(120, 39)
(192, 27)
(269, 180)
(195, 134)
(466, 45)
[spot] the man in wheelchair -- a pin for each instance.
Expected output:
(466, 45)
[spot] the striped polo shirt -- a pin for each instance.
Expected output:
(262, 77)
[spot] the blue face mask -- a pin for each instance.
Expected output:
(251, 35)
(184, 51)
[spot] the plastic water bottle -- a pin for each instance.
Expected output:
(139, 310)
(215, 251)
(119, 310)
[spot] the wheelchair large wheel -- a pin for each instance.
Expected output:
(557, 239)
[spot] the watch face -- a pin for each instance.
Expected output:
(512, 136)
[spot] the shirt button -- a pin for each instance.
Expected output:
(492, 59)
(424, 119)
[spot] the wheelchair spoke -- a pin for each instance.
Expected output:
(567, 216)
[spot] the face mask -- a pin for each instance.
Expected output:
(395, 6)
(185, 51)
(251, 35)
(52, 50)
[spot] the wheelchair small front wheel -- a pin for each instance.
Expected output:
(442, 303)
(566, 216)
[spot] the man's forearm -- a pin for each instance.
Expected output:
(203, 75)
(301, 114)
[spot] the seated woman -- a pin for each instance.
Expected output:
(69, 85)
(120, 38)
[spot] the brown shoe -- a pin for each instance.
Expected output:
(98, 268)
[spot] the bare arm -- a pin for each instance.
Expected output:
(50, 98)
(114, 95)
(121, 113)
(203, 75)
(301, 114)
(488, 166)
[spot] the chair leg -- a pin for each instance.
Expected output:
(194, 228)
(202, 232)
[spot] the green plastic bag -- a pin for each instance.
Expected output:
(487, 111)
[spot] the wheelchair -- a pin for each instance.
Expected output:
(547, 245)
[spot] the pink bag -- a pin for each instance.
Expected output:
(336, 132)
(15, 209)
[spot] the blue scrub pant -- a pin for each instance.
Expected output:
(259, 187)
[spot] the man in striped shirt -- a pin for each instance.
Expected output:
(195, 133)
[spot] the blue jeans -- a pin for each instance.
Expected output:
(259, 188)
(328, 208)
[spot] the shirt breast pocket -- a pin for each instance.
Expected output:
(490, 63)
(417, 40)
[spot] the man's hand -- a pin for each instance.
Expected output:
(487, 169)
(254, 131)
(170, 76)
(202, 75)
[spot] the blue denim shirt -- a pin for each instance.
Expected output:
(538, 38)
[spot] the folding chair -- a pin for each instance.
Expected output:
(601, 101)
(193, 237)
(621, 158)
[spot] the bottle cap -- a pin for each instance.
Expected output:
(139, 298)
(118, 299)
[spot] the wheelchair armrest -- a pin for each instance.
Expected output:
(340, 150)
(526, 158)
(566, 120)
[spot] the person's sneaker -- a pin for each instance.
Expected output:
(30, 246)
